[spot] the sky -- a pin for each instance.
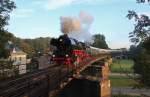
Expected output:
(41, 18)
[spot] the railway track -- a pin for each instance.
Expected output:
(27, 84)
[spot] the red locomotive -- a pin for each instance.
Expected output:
(68, 51)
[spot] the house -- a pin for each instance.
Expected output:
(18, 57)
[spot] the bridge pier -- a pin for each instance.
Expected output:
(90, 82)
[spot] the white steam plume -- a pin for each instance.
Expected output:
(70, 24)
(78, 27)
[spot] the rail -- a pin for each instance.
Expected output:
(37, 84)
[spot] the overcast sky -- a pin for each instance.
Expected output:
(41, 18)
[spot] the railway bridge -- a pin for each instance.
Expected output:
(88, 80)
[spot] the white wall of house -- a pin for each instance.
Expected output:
(22, 69)
(20, 60)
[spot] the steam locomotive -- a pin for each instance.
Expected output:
(68, 51)
(71, 53)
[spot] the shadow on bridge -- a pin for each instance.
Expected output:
(80, 88)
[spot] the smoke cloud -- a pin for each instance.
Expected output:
(78, 27)
(70, 24)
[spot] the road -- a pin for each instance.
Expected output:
(130, 75)
(130, 91)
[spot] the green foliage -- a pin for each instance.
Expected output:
(4, 37)
(141, 57)
(143, 1)
(141, 30)
(123, 95)
(39, 44)
(132, 51)
(142, 66)
(141, 54)
(7, 69)
(146, 45)
(5, 8)
(5, 64)
(99, 41)
(24, 46)
(33, 46)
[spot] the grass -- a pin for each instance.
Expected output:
(122, 95)
(122, 82)
(122, 66)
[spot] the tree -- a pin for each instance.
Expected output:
(142, 1)
(142, 65)
(141, 37)
(33, 46)
(5, 8)
(4, 37)
(38, 44)
(27, 48)
(99, 41)
(146, 45)
(24, 46)
(142, 27)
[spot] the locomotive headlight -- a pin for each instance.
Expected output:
(53, 55)
(60, 40)
(67, 55)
